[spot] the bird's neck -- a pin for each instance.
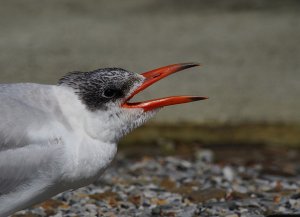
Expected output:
(107, 126)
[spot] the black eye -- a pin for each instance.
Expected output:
(110, 93)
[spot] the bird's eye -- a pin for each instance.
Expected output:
(110, 93)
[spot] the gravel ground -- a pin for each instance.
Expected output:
(174, 186)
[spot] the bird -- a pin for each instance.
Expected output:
(55, 138)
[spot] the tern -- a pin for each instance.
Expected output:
(54, 138)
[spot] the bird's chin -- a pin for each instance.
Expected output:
(144, 117)
(140, 116)
(128, 120)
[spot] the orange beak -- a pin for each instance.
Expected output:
(155, 75)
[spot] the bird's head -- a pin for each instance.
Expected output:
(107, 93)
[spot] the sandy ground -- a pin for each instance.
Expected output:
(250, 50)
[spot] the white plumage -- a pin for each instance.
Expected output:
(45, 145)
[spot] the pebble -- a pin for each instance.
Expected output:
(205, 155)
(228, 173)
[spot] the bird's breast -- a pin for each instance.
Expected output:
(86, 160)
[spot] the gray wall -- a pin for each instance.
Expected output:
(250, 50)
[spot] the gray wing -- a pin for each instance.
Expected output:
(24, 109)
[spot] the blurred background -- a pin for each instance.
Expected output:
(249, 50)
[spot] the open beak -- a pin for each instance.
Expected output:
(155, 75)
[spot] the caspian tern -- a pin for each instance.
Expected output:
(59, 137)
